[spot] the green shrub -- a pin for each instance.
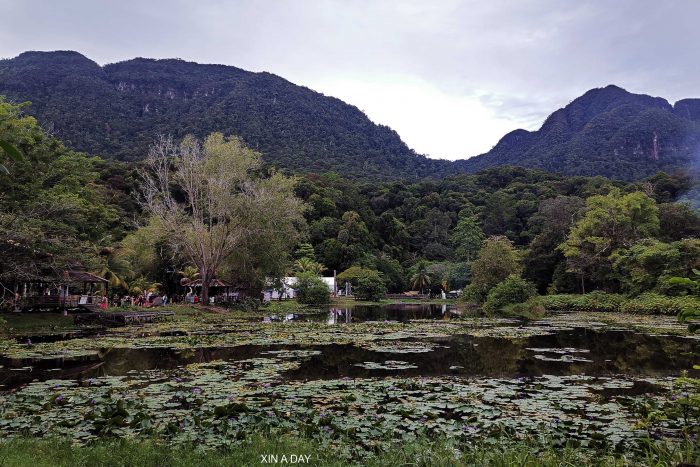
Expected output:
(471, 295)
(355, 273)
(594, 301)
(655, 304)
(677, 286)
(531, 308)
(370, 288)
(513, 289)
(691, 316)
(311, 290)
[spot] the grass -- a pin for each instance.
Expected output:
(59, 453)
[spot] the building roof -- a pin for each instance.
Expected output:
(82, 276)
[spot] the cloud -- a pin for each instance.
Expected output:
(450, 76)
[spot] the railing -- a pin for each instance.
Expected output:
(57, 301)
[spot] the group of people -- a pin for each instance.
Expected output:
(148, 299)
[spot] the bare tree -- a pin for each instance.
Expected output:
(198, 192)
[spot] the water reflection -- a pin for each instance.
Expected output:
(400, 312)
(339, 315)
(577, 351)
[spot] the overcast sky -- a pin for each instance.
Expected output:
(451, 77)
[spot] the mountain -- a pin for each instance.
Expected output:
(117, 110)
(607, 131)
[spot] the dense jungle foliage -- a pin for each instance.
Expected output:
(561, 234)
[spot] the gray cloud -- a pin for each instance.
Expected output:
(509, 63)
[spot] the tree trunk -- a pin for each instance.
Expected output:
(205, 289)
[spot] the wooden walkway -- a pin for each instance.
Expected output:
(122, 319)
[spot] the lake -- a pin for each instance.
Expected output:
(395, 369)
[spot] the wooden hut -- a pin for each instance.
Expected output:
(219, 290)
(73, 289)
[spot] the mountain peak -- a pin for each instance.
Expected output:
(67, 57)
(607, 131)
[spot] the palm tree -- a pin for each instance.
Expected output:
(308, 265)
(421, 278)
(189, 273)
(141, 285)
(114, 268)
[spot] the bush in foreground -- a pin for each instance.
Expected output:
(594, 301)
(512, 290)
(370, 288)
(311, 290)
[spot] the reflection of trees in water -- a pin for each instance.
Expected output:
(392, 312)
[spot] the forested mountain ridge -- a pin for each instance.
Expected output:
(607, 131)
(116, 111)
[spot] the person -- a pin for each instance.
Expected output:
(103, 305)
(196, 299)
(165, 299)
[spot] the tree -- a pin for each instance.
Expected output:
(115, 267)
(188, 274)
(276, 217)
(308, 265)
(610, 222)
(354, 237)
(147, 252)
(370, 288)
(467, 238)
(678, 221)
(421, 278)
(500, 215)
(305, 250)
(512, 290)
(650, 264)
(549, 226)
(12, 152)
(497, 260)
(141, 285)
(207, 197)
(355, 274)
(54, 209)
(311, 290)
(392, 271)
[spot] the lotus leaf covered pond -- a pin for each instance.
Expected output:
(352, 378)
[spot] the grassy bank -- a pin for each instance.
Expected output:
(59, 453)
(648, 303)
